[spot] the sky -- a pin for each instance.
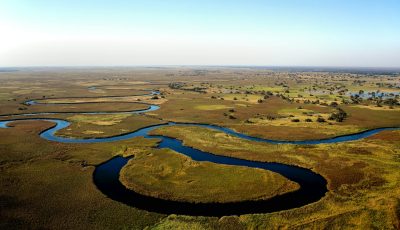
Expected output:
(358, 33)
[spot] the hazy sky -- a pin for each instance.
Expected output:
(207, 32)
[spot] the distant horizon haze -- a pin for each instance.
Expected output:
(321, 34)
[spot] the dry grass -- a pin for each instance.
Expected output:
(43, 184)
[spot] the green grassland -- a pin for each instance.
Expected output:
(73, 108)
(45, 185)
(121, 99)
(152, 172)
(363, 176)
(253, 119)
(89, 126)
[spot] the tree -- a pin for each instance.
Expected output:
(338, 116)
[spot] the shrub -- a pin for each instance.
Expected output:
(270, 117)
(338, 116)
(232, 117)
(334, 104)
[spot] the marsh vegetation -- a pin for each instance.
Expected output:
(38, 175)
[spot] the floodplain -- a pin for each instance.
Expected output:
(46, 183)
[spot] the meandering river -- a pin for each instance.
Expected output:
(106, 175)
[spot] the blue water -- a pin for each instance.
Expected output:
(34, 102)
(106, 176)
(60, 124)
(383, 95)
(3, 124)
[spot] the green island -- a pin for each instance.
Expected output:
(187, 180)
(45, 183)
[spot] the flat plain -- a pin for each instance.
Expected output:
(46, 184)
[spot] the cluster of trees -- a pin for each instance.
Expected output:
(181, 86)
(176, 85)
(319, 119)
(339, 115)
(377, 98)
(391, 102)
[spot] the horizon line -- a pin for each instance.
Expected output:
(201, 65)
